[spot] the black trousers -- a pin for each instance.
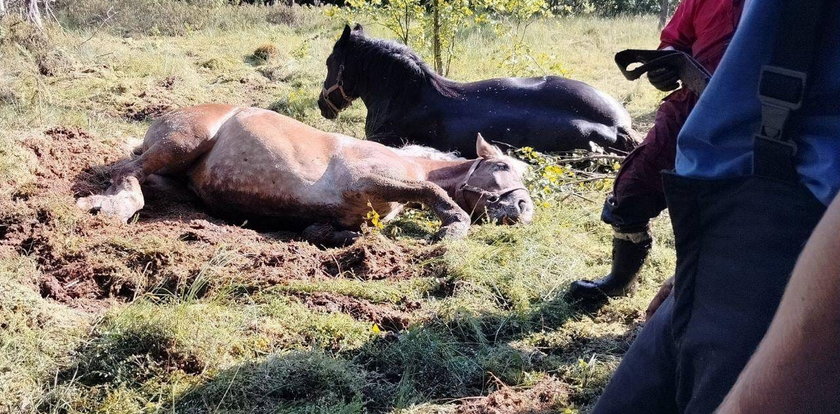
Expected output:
(737, 241)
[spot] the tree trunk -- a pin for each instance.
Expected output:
(33, 13)
(436, 41)
(663, 13)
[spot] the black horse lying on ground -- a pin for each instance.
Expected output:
(408, 102)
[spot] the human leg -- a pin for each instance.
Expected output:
(637, 198)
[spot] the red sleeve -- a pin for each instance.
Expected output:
(679, 32)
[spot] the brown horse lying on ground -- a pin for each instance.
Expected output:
(250, 162)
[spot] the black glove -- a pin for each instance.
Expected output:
(664, 78)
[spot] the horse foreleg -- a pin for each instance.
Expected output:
(328, 235)
(455, 222)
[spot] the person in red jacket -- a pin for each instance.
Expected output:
(703, 29)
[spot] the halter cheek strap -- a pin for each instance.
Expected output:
(491, 197)
(338, 86)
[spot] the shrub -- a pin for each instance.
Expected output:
(266, 52)
(608, 7)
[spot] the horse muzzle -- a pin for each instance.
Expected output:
(515, 207)
(331, 105)
(327, 111)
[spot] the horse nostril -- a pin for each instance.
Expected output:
(522, 205)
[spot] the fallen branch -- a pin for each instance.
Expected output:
(590, 179)
(594, 157)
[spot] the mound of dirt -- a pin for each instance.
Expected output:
(377, 258)
(70, 159)
(385, 316)
(146, 111)
(547, 396)
(90, 261)
(152, 103)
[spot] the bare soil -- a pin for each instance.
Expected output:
(547, 396)
(386, 317)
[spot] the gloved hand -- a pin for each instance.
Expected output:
(664, 78)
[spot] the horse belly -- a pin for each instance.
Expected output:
(544, 130)
(254, 180)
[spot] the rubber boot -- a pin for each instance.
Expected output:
(628, 255)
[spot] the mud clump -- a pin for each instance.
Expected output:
(152, 103)
(143, 112)
(547, 396)
(169, 82)
(65, 159)
(265, 52)
(386, 317)
(376, 258)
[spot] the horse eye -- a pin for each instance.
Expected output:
(502, 167)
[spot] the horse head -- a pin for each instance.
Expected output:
(493, 187)
(337, 94)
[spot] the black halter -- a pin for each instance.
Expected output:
(339, 86)
(492, 197)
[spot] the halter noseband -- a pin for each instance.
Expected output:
(339, 86)
(491, 197)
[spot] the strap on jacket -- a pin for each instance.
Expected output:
(782, 87)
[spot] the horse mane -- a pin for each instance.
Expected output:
(428, 153)
(399, 60)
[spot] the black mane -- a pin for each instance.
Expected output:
(399, 63)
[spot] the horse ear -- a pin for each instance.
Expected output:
(345, 35)
(486, 150)
(358, 29)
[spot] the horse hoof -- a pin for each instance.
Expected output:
(117, 207)
(91, 204)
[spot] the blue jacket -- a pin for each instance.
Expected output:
(716, 141)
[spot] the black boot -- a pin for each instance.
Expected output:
(628, 254)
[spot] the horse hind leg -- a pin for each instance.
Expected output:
(162, 187)
(173, 144)
(627, 139)
(124, 197)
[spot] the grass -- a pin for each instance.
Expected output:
(191, 315)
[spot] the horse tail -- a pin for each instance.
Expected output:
(626, 139)
(133, 147)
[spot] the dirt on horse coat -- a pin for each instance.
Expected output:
(408, 102)
(250, 162)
